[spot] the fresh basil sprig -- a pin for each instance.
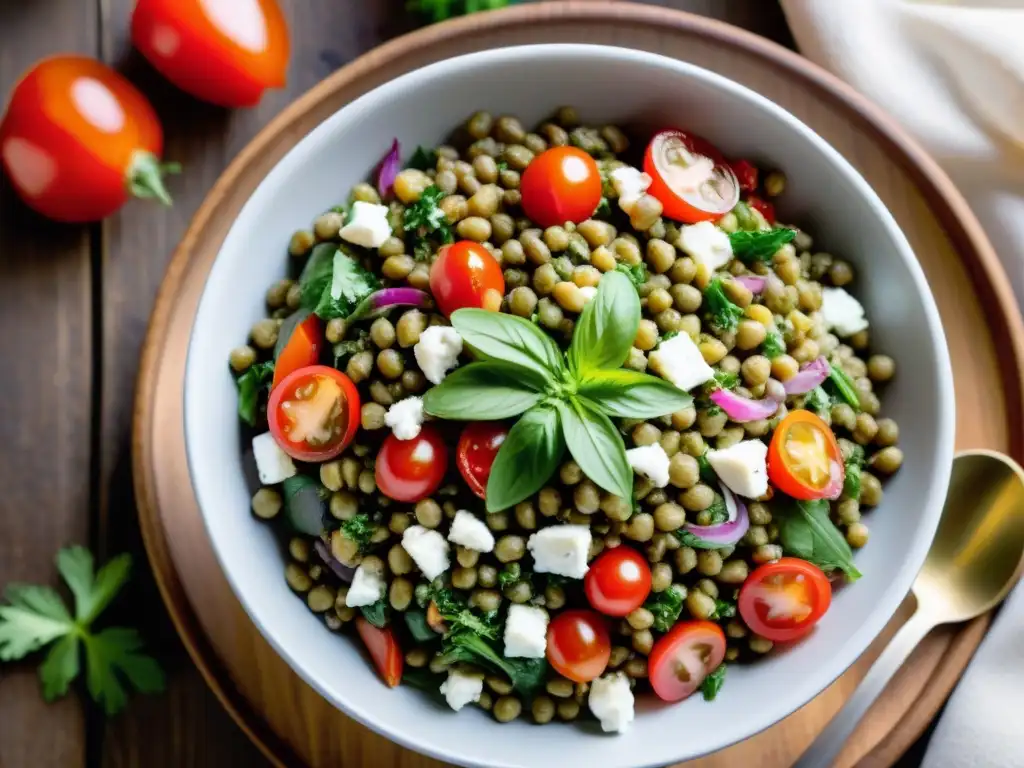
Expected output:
(565, 400)
(807, 532)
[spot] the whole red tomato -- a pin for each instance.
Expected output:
(410, 470)
(561, 184)
(465, 274)
(77, 139)
(227, 52)
(618, 582)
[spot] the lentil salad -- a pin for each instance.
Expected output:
(543, 387)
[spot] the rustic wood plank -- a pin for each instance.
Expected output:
(46, 309)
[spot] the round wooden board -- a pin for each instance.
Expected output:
(286, 718)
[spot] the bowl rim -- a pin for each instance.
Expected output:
(858, 641)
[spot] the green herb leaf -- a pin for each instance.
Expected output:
(304, 505)
(713, 683)
(854, 465)
(773, 345)
(502, 166)
(349, 285)
(666, 607)
(752, 247)
(423, 679)
(806, 531)
(607, 327)
(359, 529)
(627, 394)
(707, 472)
(460, 616)
(725, 315)
(717, 511)
(32, 621)
(818, 401)
(844, 386)
(439, 10)
(596, 445)
(60, 667)
(527, 458)
(723, 610)
(485, 391)
(637, 273)
(316, 276)
(688, 539)
(425, 217)
(421, 632)
(92, 593)
(114, 654)
(721, 380)
(251, 384)
(508, 339)
(423, 159)
(604, 209)
(344, 350)
(526, 675)
(378, 613)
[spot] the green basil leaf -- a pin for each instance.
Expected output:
(250, 386)
(596, 445)
(807, 532)
(317, 274)
(527, 458)
(509, 339)
(627, 394)
(421, 632)
(607, 327)
(713, 683)
(304, 504)
(484, 392)
(424, 680)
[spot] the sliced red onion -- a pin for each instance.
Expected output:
(339, 569)
(727, 533)
(753, 283)
(742, 409)
(381, 301)
(389, 168)
(811, 375)
(837, 476)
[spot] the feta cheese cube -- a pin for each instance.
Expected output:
(842, 313)
(651, 461)
(428, 550)
(462, 688)
(706, 244)
(743, 468)
(526, 632)
(679, 361)
(272, 464)
(367, 225)
(366, 589)
(471, 532)
(561, 549)
(437, 352)
(630, 185)
(611, 701)
(405, 417)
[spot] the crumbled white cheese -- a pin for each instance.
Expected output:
(630, 185)
(588, 292)
(471, 532)
(437, 352)
(367, 225)
(366, 589)
(611, 701)
(462, 688)
(561, 549)
(743, 468)
(272, 464)
(405, 417)
(706, 244)
(651, 461)
(842, 313)
(679, 360)
(428, 550)
(526, 632)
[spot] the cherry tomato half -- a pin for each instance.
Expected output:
(410, 470)
(466, 275)
(690, 177)
(804, 460)
(618, 582)
(384, 650)
(227, 52)
(561, 184)
(681, 659)
(579, 645)
(784, 600)
(314, 413)
(301, 350)
(478, 447)
(763, 207)
(78, 139)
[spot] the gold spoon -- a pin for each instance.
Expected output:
(969, 569)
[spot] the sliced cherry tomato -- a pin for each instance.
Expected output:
(618, 582)
(314, 413)
(785, 599)
(579, 645)
(804, 460)
(561, 184)
(478, 447)
(763, 207)
(227, 52)
(301, 350)
(410, 470)
(384, 650)
(78, 139)
(681, 660)
(466, 275)
(690, 177)
(746, 174)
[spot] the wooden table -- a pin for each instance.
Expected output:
(74, 303)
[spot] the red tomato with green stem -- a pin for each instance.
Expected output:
(618, 582)
(384, 650)
(479, 444)
(227, 52)
(465, 274)
(682, 658)
(78, 140)
(579, 645)
(302, 349)
(690, 177)
(410, 470)
(559, 185)
(314, 413)
(782, 601)
(804, 460)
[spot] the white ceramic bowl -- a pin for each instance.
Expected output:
(824, 194)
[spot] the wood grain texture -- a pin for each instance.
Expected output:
(947, 239)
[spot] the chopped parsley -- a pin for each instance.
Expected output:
(359, 529)
(460, 617)
(725, 315)
(773, 345)
(717, 511)
(333, 282)
(378, 614)
(637, 274)
(752, 247)
(723, 610)
(854, 465)
(427, 223)
(604, 208)
(713, 683)
(344, 350)
(251, 385)
(502, 166)
(510, 574)
(666, 607)
(818, 400)
(423, 159)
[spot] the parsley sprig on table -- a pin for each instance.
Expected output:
(37, 617)
(439, 10)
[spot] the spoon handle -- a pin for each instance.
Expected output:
(826, 748)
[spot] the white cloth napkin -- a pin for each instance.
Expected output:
(952, 71)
